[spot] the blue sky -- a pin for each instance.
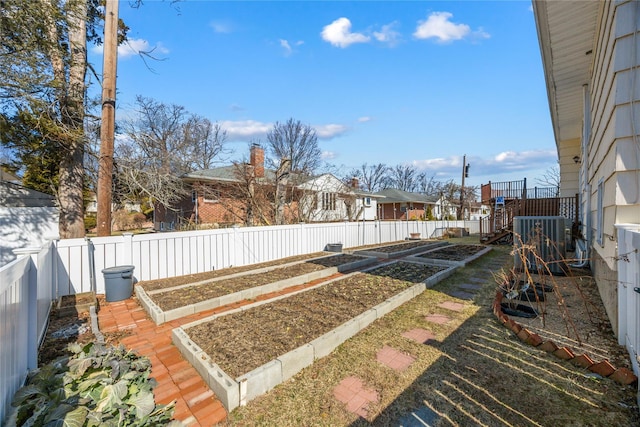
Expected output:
(397, 82)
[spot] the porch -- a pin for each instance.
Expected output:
(509, 199)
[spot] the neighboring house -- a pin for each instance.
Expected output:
(402, 205)
(27, 218)
(92, 206)
(326, 198)
(245, 193)
(591, 64)
(476, 211)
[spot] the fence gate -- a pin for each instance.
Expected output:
(629, 290)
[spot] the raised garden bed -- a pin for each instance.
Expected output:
(171, 282)
(183, 300)
(248, 351)
(454, 255)
(401, 249)
(71, 305)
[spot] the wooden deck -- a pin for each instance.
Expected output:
(512, 198)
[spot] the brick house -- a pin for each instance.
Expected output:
(402, 205)
(245, 194)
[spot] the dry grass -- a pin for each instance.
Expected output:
(475, 373)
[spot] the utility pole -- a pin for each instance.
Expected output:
(465, 174)
(107, 126)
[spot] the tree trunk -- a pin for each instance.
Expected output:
(72, 166)
(282, 178)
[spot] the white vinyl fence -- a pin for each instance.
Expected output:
(161, 255)
(26, 292)
(629, 290)
(29, 284)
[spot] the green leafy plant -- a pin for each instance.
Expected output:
(97, 385)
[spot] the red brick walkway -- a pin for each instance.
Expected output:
(196, 404)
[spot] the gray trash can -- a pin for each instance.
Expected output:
(334, 247)
(118, 282)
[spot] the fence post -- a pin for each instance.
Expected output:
(127, 249)
(32, 304)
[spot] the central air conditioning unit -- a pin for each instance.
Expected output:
(540, 241)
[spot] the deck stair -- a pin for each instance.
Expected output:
(512, 198)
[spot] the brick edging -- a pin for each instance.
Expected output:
(622, 376)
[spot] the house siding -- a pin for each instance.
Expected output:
(613, 150)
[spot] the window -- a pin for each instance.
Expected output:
(328, 201)
(600, 213)
(367, 201)
(210, 196)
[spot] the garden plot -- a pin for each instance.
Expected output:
(401, 249)
(451, 255)
(246, 352)
(168, 304)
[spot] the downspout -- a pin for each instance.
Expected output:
(585, 187)
(92, 264)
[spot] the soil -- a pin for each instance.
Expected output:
(153, 285)
(389, 249)
(243, 341)
(193, 294)
(453, 252)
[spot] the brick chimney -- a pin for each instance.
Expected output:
(354, 183)
(257, 160)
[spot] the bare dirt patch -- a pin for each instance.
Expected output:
(243, 341)
(400, 247)
(453, 252)
(193, 294)
(153, 285)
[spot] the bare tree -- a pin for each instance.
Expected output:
(297, 142)
(551, 177)
(162, 143)
(403, 177)
(211, 139)
(371, 178)
(428, 184)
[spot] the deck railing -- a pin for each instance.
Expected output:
(502, 219)
(515, 190)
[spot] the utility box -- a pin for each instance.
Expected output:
(118, 282)
(539, 241)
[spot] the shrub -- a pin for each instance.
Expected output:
(97, 385)
(90, 222)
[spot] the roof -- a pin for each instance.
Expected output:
(393, 195)
(224, 173)
(566, 33)
(14, 195)
(228, 174)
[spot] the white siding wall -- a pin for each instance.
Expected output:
(614, 146)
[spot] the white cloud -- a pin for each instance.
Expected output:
(330, 131)
(514, 165)
(288, 50)
(221, 27)
(364, 119)
(285, 45)
(387, 34)
(339, 34)
(133, 47)
(244, 130)
(438, 26)
(328, 155)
